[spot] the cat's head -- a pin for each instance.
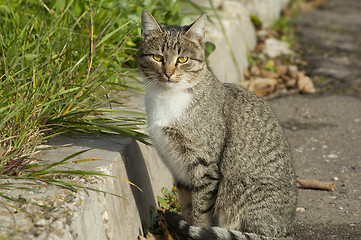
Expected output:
(171, 56)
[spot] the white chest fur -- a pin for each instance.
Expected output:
(165, 106)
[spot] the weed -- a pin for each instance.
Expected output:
(270, 65)
(169, 201)
(256, 21)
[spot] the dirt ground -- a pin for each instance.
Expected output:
(325, 135)
(324, 129)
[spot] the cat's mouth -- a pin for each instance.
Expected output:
(163, 81)
(169, 80)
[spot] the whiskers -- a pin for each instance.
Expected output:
(150, 79)
(150, 83)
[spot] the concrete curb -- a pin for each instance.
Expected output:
(105, 216)
(240, 35)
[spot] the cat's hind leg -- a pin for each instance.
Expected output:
(185, 200)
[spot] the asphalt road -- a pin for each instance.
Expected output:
(324, 129)
(325, 136)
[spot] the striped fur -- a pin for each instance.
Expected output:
(224, 146)
(183, 231)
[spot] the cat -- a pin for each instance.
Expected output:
(228, 155)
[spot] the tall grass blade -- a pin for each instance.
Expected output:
(59, 163)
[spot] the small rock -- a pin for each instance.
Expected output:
(335, 178)
(57, 224)
(69, 198)
(40, 223)
(300, 209)
(246, 73)
(105, 216)
(262, 34)
(333, 156)
(275, 48)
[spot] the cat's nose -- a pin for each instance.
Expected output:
(168, 70)
(168, 74)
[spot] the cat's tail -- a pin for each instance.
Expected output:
(183, 231)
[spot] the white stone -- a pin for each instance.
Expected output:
(332, 156)
(41, 222)
(300, 209)
(275, 48)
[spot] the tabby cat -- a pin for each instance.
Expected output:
(226, 150)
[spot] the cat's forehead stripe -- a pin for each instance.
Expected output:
(172, 37)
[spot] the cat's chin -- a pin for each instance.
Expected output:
(172, 85)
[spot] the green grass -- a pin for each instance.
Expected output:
(65, 66)
(63, 63)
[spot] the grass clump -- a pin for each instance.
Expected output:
(64, 65)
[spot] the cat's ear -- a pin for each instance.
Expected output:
(149, 24)
(197, 28)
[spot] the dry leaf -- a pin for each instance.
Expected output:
(245, 84)
(292, 71)
(305, 84)
(246, 73)
(268, 74)
(255, 70)
(315, 184)
(167, 235)
(291, 82)
(281, 69)
(262, 86)
(259, 46)
(150, 236)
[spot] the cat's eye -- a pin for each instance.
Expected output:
(158, 58)
(182, 59)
